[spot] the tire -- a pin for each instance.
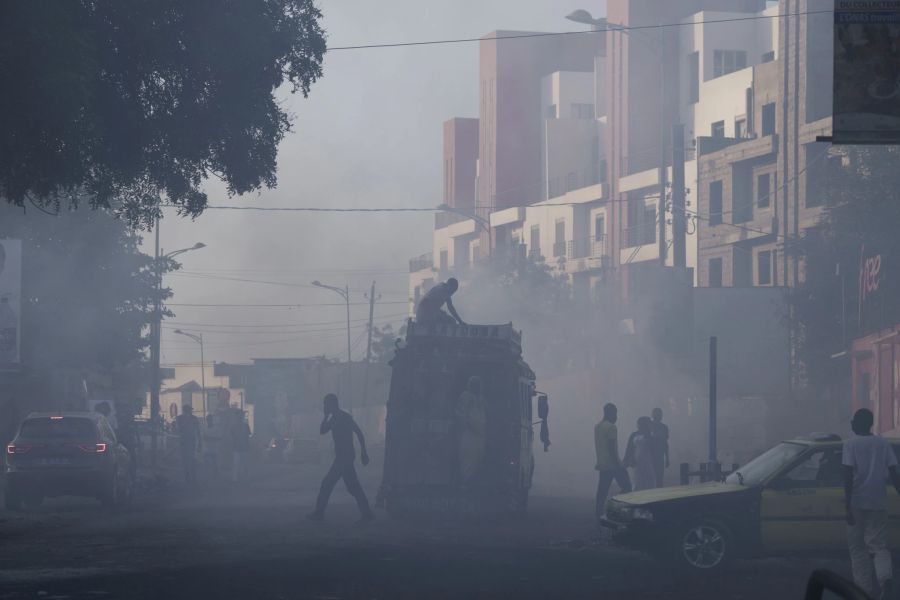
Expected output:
(12, 499)
(109, 495)
(32, 500)
(701, 547)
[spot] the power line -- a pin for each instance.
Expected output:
(250, 305)
(260, 325)
(624, 29)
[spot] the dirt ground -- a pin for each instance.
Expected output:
(252, 541)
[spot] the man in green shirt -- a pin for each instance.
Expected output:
(608, 463)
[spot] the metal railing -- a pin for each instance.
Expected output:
(559, 249)
(563, 184)
(590, 247)
(421, 262)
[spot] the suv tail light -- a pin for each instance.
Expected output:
(21, 448)
(97, 448)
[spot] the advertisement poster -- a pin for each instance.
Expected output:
(10, 300)
(866, 72)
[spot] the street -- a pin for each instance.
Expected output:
(252, 541)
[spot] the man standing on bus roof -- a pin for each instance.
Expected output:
(429, 312)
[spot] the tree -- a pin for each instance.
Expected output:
(129, 103)
(87, 290)
(861, 213)
(384, 343)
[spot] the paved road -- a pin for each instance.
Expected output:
(251, 541)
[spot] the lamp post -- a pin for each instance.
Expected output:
(345, 294)
(155, 335)
(483, 223)
(199, 339)
(583, 16)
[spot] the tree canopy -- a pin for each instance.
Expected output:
(130, 103)
(860, 218)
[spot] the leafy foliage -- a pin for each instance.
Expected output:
(863, 209)
(127, 102)
(87, 290)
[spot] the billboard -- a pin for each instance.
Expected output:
(10, 300)
(866, 72)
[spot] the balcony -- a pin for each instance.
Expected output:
(590, 247)
(640, 235)
(421, 263)
(559, 249)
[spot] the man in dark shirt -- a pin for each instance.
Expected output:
(659, 436)
(342, 428)
(188, 428)
(429, 311)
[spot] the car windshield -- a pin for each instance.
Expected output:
(766, 464)
(59, 427)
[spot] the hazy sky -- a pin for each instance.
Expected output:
(369, 135)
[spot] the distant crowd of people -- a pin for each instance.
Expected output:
(222, 441)
(646, 454)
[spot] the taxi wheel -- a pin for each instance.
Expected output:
(702, 547)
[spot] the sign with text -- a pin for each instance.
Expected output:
(872, 271)
(10, 300)
(866, 72)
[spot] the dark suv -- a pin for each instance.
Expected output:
(66, 454)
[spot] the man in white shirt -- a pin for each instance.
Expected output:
(868, 461)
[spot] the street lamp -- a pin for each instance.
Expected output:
(155, 335)
(345, 294)
(583, 16)
(199, 339)
(483, 223)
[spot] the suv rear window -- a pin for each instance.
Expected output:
(66, 427)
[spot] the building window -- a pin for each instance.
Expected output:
(476, 252)
(768, 119)
(728, 61)
(718, 129)
(715, 203)
(551, 112)
(741, 267)
(768, 56)
(559, 239)
(445, 260)
(715, 272)
(582, 111)
(740, 128)
(764, 268)
(599, 227)
(694, 78)
(763, 190)
(535, 246)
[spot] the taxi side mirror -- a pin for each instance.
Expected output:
(543, 407)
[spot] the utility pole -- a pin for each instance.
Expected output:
(679, 220)
(372, 299)
(154, 353)
(663, 151)
(713, 391)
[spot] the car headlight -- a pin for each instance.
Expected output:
(642, 514)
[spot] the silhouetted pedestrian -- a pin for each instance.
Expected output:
(212, 439)
(869, 460)
(187, 426)
(608, 465)
(639, 455)
(240, 447)
(659, 434)
(342, 428)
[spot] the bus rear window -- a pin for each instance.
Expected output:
(67, 427)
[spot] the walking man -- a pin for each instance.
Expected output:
(868, 460)
(608, 464)
(240, 447)
(342, 428)
(659, 435)
(188, 428)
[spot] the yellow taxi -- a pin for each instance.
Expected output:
(788, 499)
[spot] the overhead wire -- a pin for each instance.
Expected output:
(623, 28)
